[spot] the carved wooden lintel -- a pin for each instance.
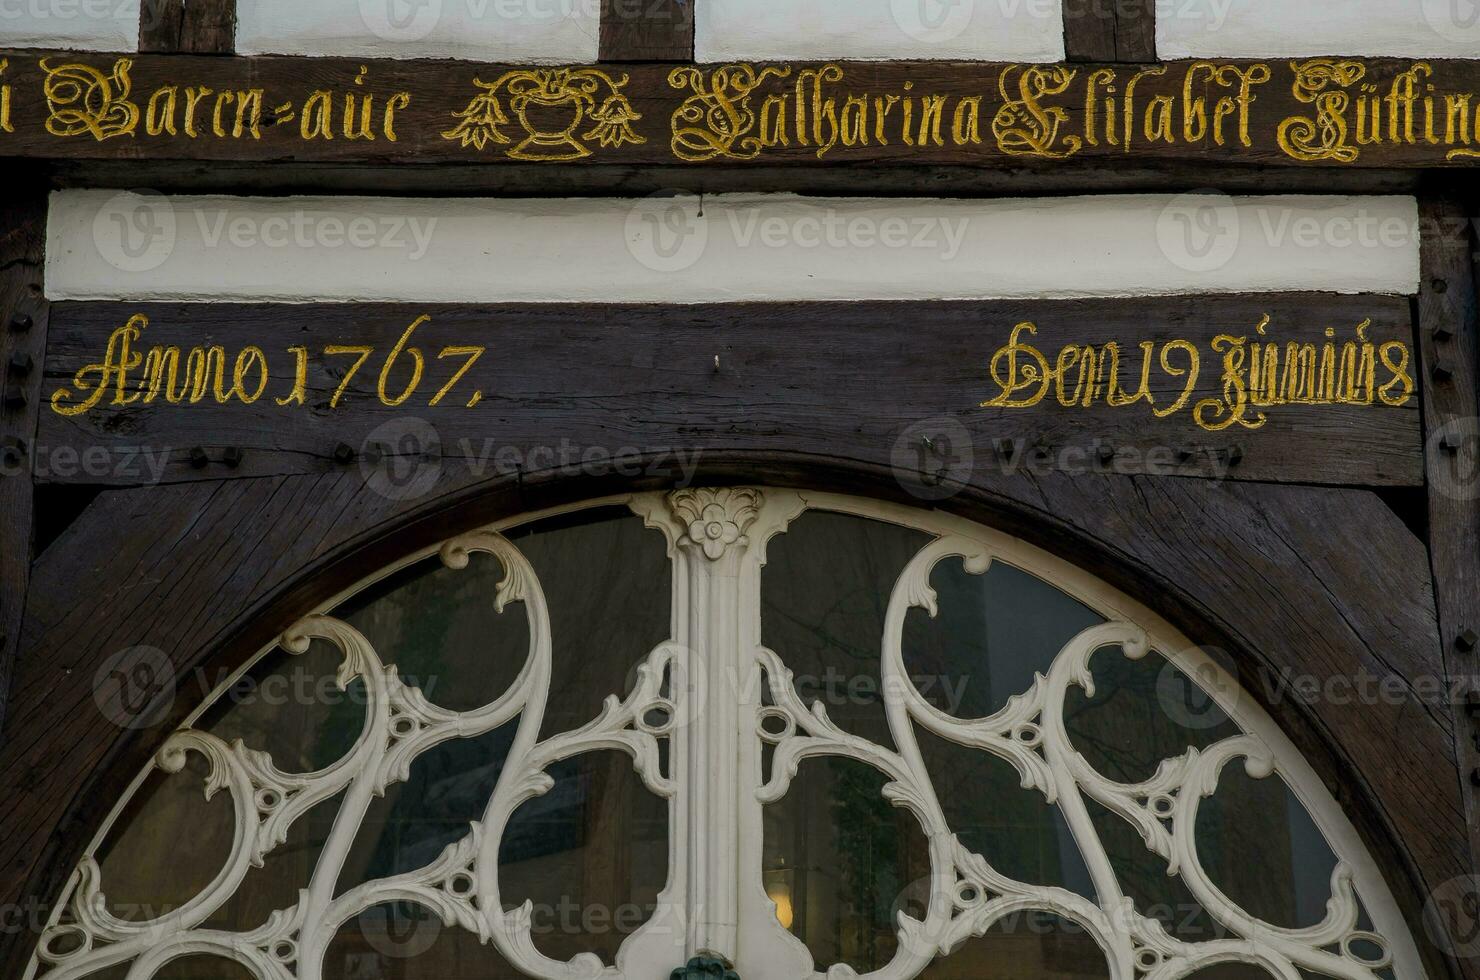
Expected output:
(1318, 112)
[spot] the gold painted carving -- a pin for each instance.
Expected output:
(1256, 373)
(5, 125)
(81, 99)
(551, 105)
(1026, 127)
(717, 119)
(1320, 82)
(126, 375)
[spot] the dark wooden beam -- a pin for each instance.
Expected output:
(187, 26)
(23, 322)
(647, 30)
(903, 114)
(610, 379)
(1110, 30)
(1449, 342)
(535, 180)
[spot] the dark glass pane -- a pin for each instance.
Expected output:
(449, 787)
(841, 862)
(992, 633)
(607, 580)
(824, 593)
(439, 627)
(1019, 833)
(402, 941)
(169, 815)
(292, 708)
(1231, 971)
(1143, 877)
(204, 968)
(592, 855)
(1024, 946)
(1289, 882)
(1143, 712)
(285, 870)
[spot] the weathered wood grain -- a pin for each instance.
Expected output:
(895, 113)
(23, 321)
(1449, 344)
(647, 30)
(855, 180)
(187, 26)
(617, 380)
(1110, 30)
(208, 572)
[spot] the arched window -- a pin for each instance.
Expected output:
(807, 734)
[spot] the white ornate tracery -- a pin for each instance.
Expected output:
(703, 691)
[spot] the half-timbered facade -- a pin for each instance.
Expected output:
(774, 489)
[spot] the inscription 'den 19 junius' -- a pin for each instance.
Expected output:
(1249, 373)
(1328, 111)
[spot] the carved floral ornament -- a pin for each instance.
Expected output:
(717, 540)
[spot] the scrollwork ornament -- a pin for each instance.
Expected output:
(718, 119)
(1023, 126)
(81, 99)
(1319, 82)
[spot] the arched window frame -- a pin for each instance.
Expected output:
(718, 538)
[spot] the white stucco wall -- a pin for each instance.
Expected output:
(987, 30)
(76, 25)
(537, 31)
(111, 245)
(1298, 28)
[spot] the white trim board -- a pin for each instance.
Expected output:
(542, 32)
(755, 30)
(119, 245)
(1302, 28)
(81, 25)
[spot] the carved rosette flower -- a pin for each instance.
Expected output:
(714, 520)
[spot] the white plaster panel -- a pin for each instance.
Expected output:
(71, 25)
(1000, 30)
(518, 31)
(111, 245)
(1300, 28)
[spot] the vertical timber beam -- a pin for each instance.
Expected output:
(187, 26)
(1110, 30)
(647, 30)
(1450, 363)
(23, 316)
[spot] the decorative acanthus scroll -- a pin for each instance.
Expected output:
(718, 697)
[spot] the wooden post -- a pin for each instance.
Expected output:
(1447, 345)
(187, 26)
(1110, 30)
(647, 30)
(23, 319)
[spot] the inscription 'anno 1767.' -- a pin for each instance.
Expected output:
(1328, 111)
(1252, 371)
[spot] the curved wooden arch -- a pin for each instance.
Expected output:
(210, 572)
